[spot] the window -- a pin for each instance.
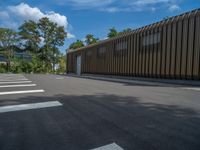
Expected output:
(88, 53)
(151, 39)
(121, 46)
(101, 52)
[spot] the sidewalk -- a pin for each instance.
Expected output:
(139, 80)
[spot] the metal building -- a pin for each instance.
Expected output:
(166, 49)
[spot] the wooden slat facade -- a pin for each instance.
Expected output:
(167, 49)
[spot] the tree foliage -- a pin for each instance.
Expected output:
(127, 30)
(77, 44)
(30, 36)
(52, 36)
(41, 39)
(90, 39)
(112, 33)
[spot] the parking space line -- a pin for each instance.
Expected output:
(22, 92)
(112, 146)
(5, 80)
(21, 107)
(192, 88)
(17, 85)
(15, 82)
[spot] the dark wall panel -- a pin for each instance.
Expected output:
(173, 49)
(164, 45)
(190, 48)
(196, 59)
(155, 52)
(184, 48)
(159, 53)
(147, 52)
(168, 50)
(134, 55)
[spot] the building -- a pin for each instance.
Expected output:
(23, 56)
(3, 59)
(166, 49)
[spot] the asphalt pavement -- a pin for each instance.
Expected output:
(57, 112)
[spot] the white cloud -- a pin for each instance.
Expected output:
(89, 3)
(4, 14)
(174, 7)
(70, 36)
(149, 2)
(25, 12)
(113, 6)
(13, 16)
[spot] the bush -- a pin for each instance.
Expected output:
(3, 68)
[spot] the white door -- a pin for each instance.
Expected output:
(78, 65)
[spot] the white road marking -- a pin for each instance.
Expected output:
(59, 78)
(11, 75)
(112, 146)
(21, 92)
(13, 79)
(17, 82)
(21, 107)
(192, 88)
(17, 85)
(1, 80)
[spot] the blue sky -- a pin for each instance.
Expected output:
(81, 17)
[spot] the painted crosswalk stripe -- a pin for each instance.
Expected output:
(1, 80)
(17, 85)
(11, 76)
(192, 88)
(21, 107)
(21, 92)
(112, 146)
(15, 82)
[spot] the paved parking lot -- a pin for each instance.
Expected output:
(52, 112)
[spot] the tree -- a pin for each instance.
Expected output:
(90, 39)
(61, 64)
(112, 33)
(126, 31)
(53, 36)
(30, 36)
(58, 37)
(9, 40)
(77, 44)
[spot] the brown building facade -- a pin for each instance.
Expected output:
(166, 49)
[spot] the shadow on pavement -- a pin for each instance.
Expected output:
(90, 121)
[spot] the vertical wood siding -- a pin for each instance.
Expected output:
(167, 49)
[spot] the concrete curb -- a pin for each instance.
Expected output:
(139, 80)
